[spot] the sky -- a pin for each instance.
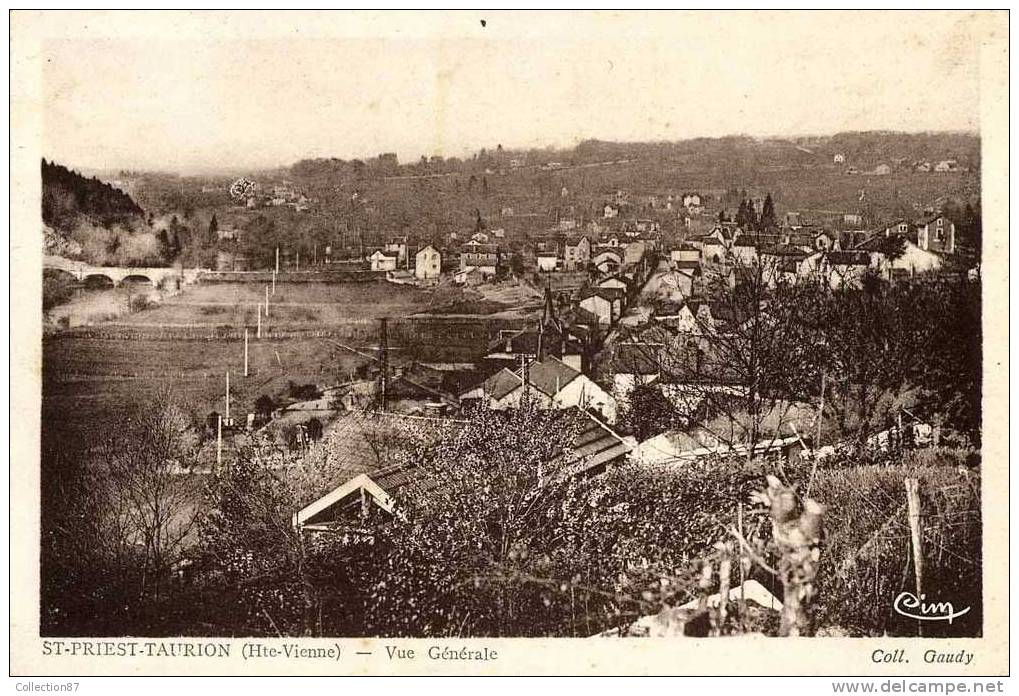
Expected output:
(214, 92)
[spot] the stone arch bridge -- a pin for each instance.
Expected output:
(117, 275)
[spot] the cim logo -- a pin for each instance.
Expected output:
(909, 605)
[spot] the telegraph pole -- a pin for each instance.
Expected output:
(384, 362)
(228, 397)
(245, 352)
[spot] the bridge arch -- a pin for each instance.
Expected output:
(137, 279)
(98, 281)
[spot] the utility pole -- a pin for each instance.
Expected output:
(219, 441)
(266, 301)
(913, 503)
(228, 397)
(277, 259)
(384, 363)
(245, 352)
(258, 331)
(274, 282)
(820, 416)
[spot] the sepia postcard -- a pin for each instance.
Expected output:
(509, 343)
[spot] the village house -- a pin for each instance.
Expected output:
(427, 263)
(484, 257)
(577, 253)
(604, 303)
(839, 158)
(826, 240)
(899, 227)
(779, 263)
(397, 246)
(835, 268)
(345, 508)
(634, 252)
(633, 364)
(712, 250)
(548, 261)
(469, 277)
(936, 233)
(610, 211)
(550, 338)
(744, 251)
(678, 283)
(685, 252)
(550, 384)
(607, 260)
(383, 261)
(692, 200)
(907, 261)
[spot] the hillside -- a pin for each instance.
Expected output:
(68, 198)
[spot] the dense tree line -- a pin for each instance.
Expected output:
(67, 197)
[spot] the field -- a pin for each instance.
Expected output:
(91, 384)
(92, 381)
(304, 304)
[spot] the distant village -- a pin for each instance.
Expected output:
(618, 302)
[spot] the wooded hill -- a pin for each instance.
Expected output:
(68, 197)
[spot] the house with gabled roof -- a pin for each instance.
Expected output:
(343, 509)
(685, 252)
(547, 383)
(935, 232)
(896, 256)
(605, 303)
(835, 268)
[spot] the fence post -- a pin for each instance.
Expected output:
(913, 503)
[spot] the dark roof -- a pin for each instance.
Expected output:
(526, 340)
(930, 217)
(848, 258)
(783, 250)
(636, 358)
(691, 265)
(551, 375)
(610, 294)
(501, 383)
(479, 249)
(596, 446)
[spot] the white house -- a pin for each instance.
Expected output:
(835, 268)
(382, 261)
(398, 247)
(550, 383)
(613, 282)
(427, 263)
(604, 303)
(685, 252)
(548, 261)
(911, 261)
(936, 233)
